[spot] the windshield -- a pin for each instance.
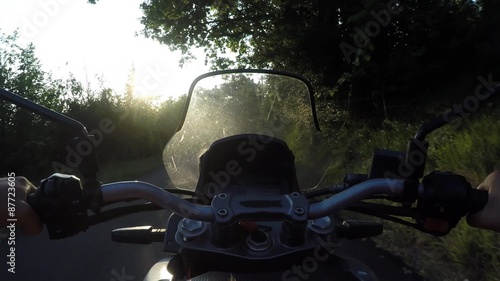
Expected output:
(268, 104)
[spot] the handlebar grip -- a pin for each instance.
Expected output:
(445, 199)
(60, 205)
(477, 199)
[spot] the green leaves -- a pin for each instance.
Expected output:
(401, 46)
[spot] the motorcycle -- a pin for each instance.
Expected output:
(248, 188)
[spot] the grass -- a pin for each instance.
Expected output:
(472, 150)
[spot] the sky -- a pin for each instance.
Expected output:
(101, 39)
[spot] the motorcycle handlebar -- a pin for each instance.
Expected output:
(476, 199)
(441, 196)
(356, 193)
(120, 191)
(140, 190)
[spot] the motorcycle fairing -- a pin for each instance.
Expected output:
(251, 163)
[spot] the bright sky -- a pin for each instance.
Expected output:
(88, 40)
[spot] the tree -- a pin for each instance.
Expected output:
(277, 34)
(375, 55)
(371, 56)
(26, 143)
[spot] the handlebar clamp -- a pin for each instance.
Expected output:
(233, 207)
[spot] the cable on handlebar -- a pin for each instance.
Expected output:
(374, 208)
(120, 191)
(384, 216)
(121, 211)
(126, 210)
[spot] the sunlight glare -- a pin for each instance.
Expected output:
(99, 46)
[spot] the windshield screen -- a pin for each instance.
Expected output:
(267, 104)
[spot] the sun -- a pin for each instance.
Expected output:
(105, 51)
(164, 81)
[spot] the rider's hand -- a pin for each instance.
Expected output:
(489, 217)
(27, 219)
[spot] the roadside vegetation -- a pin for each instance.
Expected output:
(471, 150)
(127, 129)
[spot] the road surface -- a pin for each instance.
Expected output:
(93, 256)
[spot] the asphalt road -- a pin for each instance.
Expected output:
(93, 256)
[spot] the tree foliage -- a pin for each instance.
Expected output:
(377, 57)
(24, 147)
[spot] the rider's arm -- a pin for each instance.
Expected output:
(27, 219)
(489, 217)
